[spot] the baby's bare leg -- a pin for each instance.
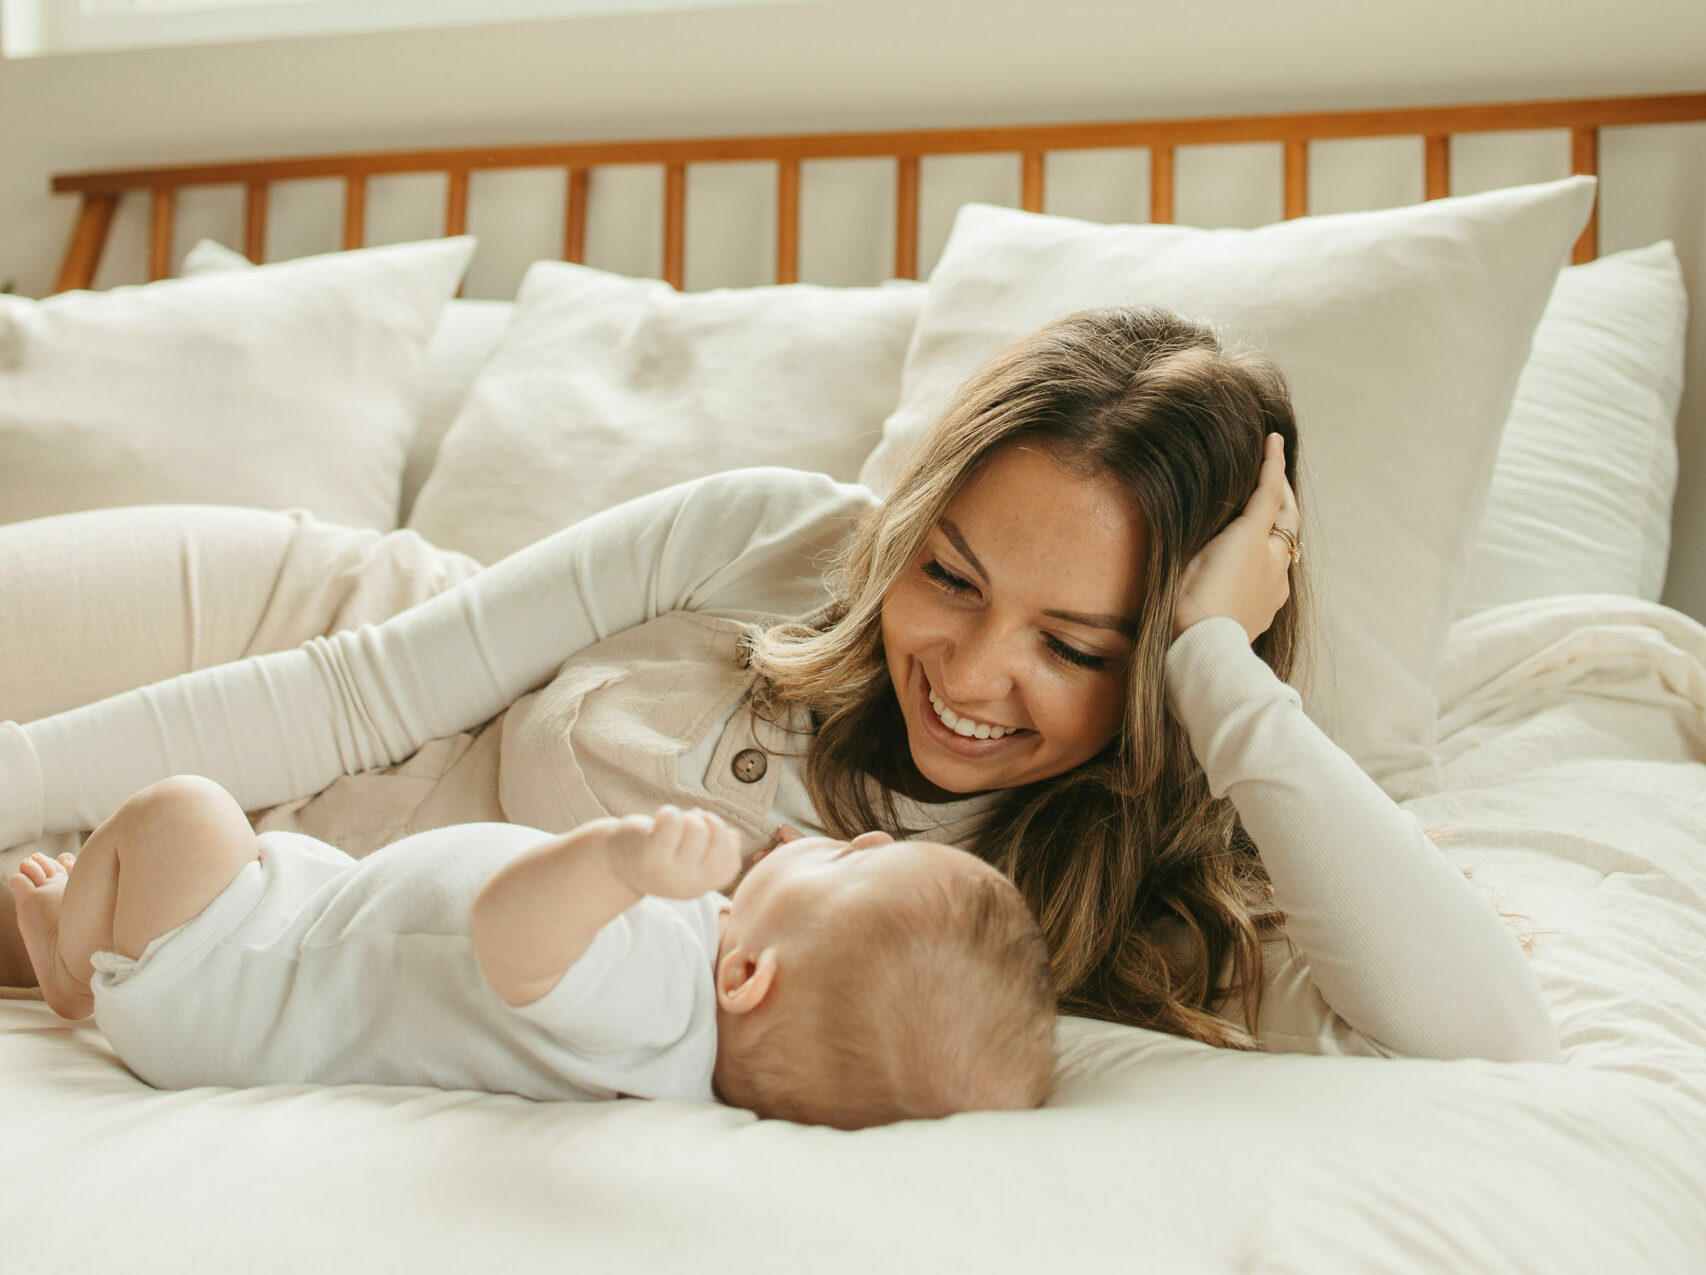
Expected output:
(159, 860)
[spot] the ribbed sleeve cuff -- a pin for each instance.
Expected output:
(21, 798)
(1210, 668)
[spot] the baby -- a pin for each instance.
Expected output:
(846, 983)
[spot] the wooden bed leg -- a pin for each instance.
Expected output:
(88, 240)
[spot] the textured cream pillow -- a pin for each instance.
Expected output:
(1582, 491)
(1402, 332)
(290, 385)
(605, 387)
(466, 334)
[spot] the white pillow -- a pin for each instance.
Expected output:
(1402, 332)
(1581, 495)
(291, 385)
(605, 387)
(466, 334)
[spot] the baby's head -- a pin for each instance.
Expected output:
(869, 981)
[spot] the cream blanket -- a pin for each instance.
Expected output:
(1573, 752)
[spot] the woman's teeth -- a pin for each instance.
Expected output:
(965, 726)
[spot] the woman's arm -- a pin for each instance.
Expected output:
(276, 727)
(1401, 945)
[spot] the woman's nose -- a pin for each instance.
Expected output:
(978, 667)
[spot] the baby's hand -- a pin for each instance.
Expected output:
(675, 854)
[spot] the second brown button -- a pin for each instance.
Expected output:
(750, 765)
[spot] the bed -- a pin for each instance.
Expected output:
(1521, 688)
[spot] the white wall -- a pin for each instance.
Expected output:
(860, 64)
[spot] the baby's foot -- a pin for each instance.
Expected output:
(39, 889)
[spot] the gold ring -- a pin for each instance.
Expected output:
(1292, 543)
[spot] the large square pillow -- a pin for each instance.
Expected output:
(605, 387)
(466, 334)
(1586, 471)
(1402, 332)
(289, 385)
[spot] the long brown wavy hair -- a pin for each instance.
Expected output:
(1153, 901)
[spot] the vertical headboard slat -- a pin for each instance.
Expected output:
(1584, 160)
(788, 221)
(162, 221)
(906, 218)
(1161, 185)
(88, 241)
(255, 221)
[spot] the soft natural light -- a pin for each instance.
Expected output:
(33, 28)
(132, 6)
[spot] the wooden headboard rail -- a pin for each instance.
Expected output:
(1436, 125)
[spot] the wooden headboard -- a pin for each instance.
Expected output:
(1584, 118)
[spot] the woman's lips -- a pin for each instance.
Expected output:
(953, 741)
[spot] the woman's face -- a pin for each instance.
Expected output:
(1009, 635)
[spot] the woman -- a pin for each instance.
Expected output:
(1059, 642)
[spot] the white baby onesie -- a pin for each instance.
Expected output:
(316, 967)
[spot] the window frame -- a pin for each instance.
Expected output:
(43, 28)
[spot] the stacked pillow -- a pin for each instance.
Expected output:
(604, 388)
(295, 384)
(1586, 473)
(465, 335)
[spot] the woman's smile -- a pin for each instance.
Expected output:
(948, 729)
(964, 724)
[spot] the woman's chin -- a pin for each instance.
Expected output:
(957, 787)
(948, 776)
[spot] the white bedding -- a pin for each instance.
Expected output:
(1573, 748)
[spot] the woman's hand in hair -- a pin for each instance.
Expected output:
(1244, 573)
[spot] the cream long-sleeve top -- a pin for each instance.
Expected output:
(600, 671)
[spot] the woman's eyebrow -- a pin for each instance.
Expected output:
(954, 534)
(1118, 623)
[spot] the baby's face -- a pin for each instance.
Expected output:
(810, 873)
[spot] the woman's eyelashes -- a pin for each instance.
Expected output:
(1062, 651)
(945, 578)
(1072, 655)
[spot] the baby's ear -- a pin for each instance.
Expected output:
(742, 981)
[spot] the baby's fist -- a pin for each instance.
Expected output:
(675, 854)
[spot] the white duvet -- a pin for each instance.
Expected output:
(1573, 750)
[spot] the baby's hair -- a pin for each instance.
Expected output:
(910, 1009)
